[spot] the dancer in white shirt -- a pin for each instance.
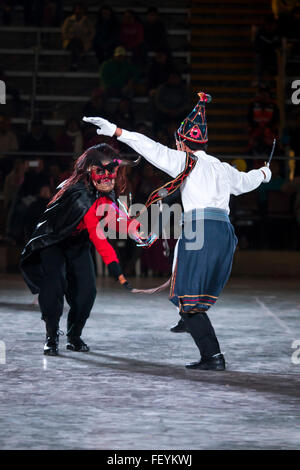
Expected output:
(200, 271)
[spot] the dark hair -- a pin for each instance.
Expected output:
(132, 13)
(112, 19)
(195, 146)
(71, 119)
(81, 5)
(152, 10)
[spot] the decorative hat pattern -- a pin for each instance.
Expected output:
(194, 127)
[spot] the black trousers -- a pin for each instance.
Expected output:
(68, 271)
(202, 333)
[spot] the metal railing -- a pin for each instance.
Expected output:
(38, 51)
(280, 84)
(18, 154)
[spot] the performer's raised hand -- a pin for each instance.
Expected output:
(105, 127)
(267, 174)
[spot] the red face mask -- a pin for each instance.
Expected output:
(105, 173)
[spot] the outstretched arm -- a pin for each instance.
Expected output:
(168, 160)
(244, 182)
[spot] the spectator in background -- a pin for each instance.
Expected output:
(96, 106)
(35, 210)
(159, 71)
(42, 12)
(240, 164)
(8, 143)
(52, 12)
(77, 34)
(36, 13)
(6, 7)
(155, 32)
(132, 36)
(37, 140)
(284, 13)
(292, 188)
(123, 115)
(34, 178)
(266, 41)
(66, 171)
(54, 178)
(293, 133)
(170, 101)
(118, 76)
(70, 139)
(12, 183)
(95, 139)
(263, 120)
(275, 184)
(8, 139)
(107, 31)
(171, 129)
(151, 179)
(33, 12)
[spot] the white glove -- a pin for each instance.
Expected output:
(267, 174)
(106, 127)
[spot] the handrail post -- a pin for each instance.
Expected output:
(281, 80)
(281, 60)
(34, 75)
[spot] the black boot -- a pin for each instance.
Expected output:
(51, 344)
(216, 362)
(180, 327)
(76, 344)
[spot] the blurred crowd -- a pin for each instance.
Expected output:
(30, 172)
(135, 60)
(277, 203)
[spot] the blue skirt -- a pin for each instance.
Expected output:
(204, 259)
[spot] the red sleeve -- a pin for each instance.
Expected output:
(97, 236)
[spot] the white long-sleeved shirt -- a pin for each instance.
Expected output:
(211, 182)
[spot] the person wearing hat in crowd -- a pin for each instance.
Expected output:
(56, 261)
(200, 270)
(263, 119)
(118, 75)
(107, 33)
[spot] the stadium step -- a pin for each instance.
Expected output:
(222, 64)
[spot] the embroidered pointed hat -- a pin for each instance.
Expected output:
(194, 127)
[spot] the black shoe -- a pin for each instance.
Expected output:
(76, 344)
(180, 327)
(52, 340)
(51, 346)
(210, 363)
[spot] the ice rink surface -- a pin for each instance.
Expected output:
(132, 391)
